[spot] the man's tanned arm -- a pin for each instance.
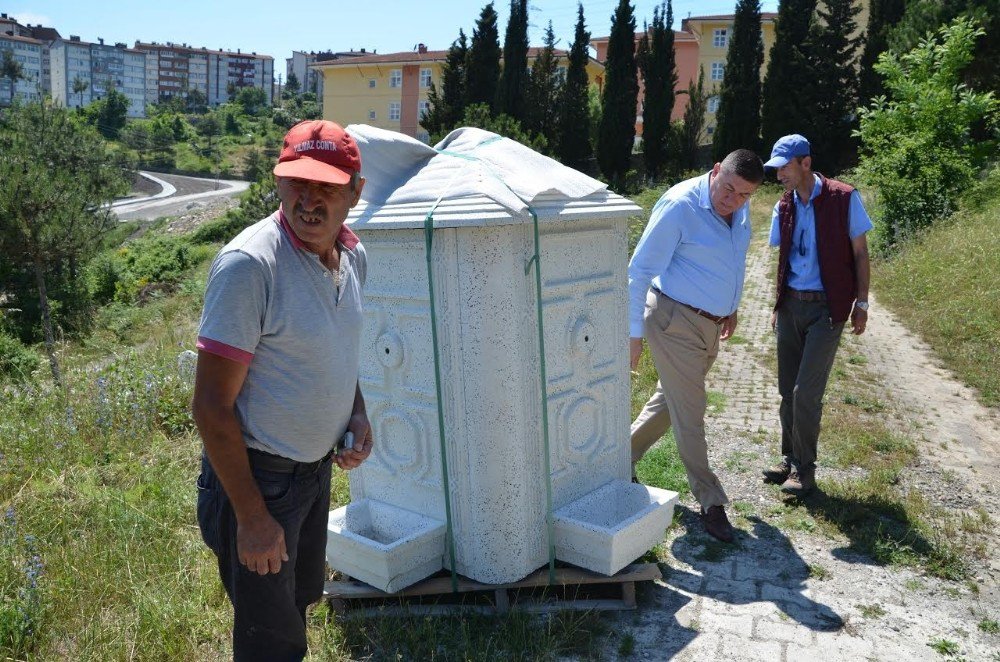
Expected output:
(260, 540)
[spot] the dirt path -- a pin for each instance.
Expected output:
(787, 593)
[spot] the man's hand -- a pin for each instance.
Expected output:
(774, 319)
(634, 352)
(260, 544)
(350, 458)
(859, 320)
(729, 326)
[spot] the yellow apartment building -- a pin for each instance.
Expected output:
(390, 90)
(713, 34)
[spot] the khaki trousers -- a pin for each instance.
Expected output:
(684, 346)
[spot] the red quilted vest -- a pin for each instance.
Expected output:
(833, 242)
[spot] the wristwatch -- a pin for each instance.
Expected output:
(861, 305)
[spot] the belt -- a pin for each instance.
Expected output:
(704, 313)
(276, 463)
(806, 295)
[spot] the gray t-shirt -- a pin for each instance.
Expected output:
(273, 306)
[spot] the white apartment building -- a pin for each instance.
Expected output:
(27, 52)
(97, 68)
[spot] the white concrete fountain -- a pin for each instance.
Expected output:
(481, 189)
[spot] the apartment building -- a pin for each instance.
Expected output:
(83, 72)
(28, 52)
(713, 35)
(390, 90)
(173, 69)
(300, 64)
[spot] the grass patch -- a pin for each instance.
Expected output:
(944, 646)
(989, 626)
(871, 612)
(716, 403)
(960, 256)
(817, 571)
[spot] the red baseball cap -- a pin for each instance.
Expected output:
(320, 151)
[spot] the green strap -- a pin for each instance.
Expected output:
(537, 261)
(428, 249)
(549, 517)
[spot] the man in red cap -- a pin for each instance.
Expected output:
(276, 389)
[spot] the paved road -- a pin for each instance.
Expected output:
(178, 194)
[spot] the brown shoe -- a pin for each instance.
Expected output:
(800, 482)
(717, 524)
(777, 474)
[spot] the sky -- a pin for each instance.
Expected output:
(276, 29)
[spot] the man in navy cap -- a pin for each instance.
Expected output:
(819, 225)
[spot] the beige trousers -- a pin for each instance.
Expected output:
(684, 346)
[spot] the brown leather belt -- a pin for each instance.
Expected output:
(806, 295)
(704, 313)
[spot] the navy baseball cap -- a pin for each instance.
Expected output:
(787, 148)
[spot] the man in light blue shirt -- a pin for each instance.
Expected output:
(685, 283)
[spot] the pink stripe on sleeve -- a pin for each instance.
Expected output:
(224, 350)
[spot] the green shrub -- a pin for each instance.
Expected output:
(259, 201)
(17, 362)
(148, 265)
(916, 147)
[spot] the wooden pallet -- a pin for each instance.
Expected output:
(570, 591)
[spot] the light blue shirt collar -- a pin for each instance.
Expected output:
(817, 187)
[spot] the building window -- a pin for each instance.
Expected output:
(718, 69)
(371, 82)
(713, 104)
(396, 78)
(371, 116)
(720, 38)
(424, 137)
(425, 78)
(394, 111)
(710, 130)
(423, 107)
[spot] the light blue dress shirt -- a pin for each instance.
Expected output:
(803, 260)
(689, 253)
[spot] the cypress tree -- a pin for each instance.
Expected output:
(694, 120)
(574, 119)
(659, 76)
(482, 64)
(882, 17)
(834, 55)
(448, 106)
(738, 115)
(616, 132)
(514, 77)
(544, 93)
(785, 106)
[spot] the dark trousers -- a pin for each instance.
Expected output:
(807, 345)
(270, 610)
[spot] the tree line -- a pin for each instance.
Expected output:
(821, 71)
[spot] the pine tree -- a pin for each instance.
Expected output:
(616, 133)
(659, 76)
(482, 64)
(545, 88)
(514, 77)
(785, 106)
(882, 17)
(694, 121)
(56, 177)
(574, 119)
(448, 106)
(738, 116)
(834, 55)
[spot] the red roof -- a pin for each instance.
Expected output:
(412, 57)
